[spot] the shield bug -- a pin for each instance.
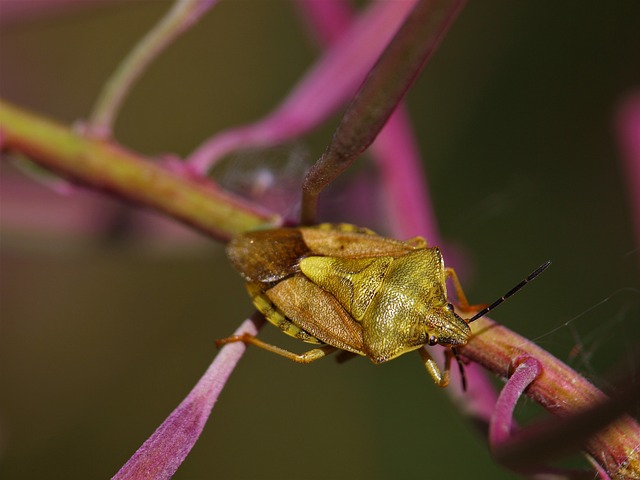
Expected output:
(344, 287)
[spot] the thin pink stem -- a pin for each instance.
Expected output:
(403, 178)
(395, 150)
(327, 19)
(329, 84)
(386, 83)
(524, 374)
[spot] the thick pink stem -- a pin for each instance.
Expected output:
(563, 392)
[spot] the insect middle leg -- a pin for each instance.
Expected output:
(463, 303)
(441, 378)
(307, 357)
(276, 317)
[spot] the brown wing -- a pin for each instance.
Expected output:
(317, 312)
(353, 242)
(267, 256)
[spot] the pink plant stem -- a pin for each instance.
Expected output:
(386, 83)
(327, 20)
(327, 85)
(560, 390)
(628, 126)
(162, 453)
(395, 149)
(408, 201)
(526, 371)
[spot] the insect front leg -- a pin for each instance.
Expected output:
(463, 303)
(344, 356)
(441, 378)
(307, 357)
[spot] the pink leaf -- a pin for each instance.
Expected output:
(162, 453)
(329, 84)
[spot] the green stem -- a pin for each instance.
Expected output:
(109, 167)
(182, 15)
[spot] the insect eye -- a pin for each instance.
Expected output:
(450, 307)
(433, 340)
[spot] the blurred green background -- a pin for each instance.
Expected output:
(105, 330)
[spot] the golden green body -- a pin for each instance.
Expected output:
(348, 288)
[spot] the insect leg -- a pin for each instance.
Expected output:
(441, 378)
(453, 352)
(345, 355)
(463, 303)
(307, 357)
(417, 242)
(276, 317)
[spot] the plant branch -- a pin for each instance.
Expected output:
(182, 15)
(561, 391)
(108, 167)
(384, 87)
(329, 84)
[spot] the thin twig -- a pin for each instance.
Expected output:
(378, 96)
(182, 15)
(110, 168)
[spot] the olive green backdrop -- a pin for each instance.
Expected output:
(101, 338)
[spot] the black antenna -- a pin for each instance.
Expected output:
(533, 275)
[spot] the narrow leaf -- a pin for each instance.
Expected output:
(162, 453)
